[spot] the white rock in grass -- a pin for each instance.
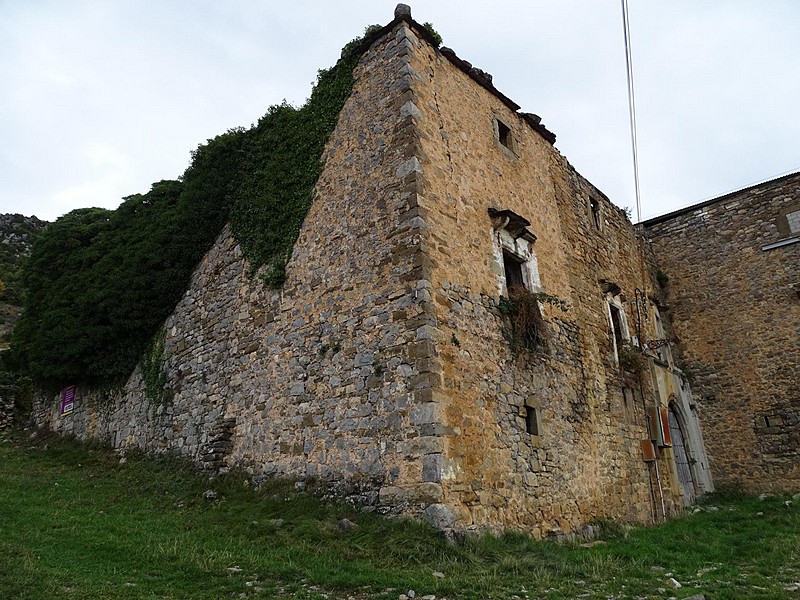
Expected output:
(674, 583)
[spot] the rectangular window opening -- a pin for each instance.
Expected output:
(793, 219)
(531, 421)
(513, 270)
(504, 134)
(616, 322)
(595, 208)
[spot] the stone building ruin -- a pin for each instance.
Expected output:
(398, 364)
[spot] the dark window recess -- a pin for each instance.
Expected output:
(595, 208)
(504, 134)
(531, 421)
(766, 421)
(513, 269)
(616, 322)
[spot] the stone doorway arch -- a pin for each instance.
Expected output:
(683, 458)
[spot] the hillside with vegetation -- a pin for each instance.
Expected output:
(100, 282)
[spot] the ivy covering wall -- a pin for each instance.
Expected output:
(100, 282)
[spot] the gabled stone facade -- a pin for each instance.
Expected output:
(390, 365)
(733, 265)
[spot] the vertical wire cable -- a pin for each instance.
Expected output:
(631, 106)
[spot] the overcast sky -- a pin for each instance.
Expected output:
(98, 99)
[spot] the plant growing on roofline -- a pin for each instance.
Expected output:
(524, 324)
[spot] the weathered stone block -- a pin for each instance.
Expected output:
(429, 412)
(412, 165)
(440, 516)
(432, 467)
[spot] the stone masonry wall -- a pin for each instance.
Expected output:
(586, 462)
(326, 378)
(735, 308)
(6, 412)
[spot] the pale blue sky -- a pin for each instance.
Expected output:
(98, 99)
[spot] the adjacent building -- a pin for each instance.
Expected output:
(733, 271)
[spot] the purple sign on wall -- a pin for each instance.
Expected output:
(68, 400)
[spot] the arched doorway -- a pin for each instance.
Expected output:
(682, 458)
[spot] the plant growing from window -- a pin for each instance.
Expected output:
(524, 324)
(631, 358)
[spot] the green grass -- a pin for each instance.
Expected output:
(75, 523)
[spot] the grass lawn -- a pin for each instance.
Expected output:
(75, 523)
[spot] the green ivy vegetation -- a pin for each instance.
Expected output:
(100, 282)
(153, 374)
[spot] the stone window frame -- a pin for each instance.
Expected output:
(784, 222)
(504, 136)
(617, 302)
(786, 236)
(520, 250)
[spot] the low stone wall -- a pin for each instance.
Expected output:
(6, 412)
